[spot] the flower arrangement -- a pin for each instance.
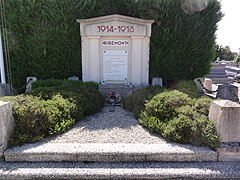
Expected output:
(113, 97)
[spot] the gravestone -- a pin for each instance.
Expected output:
(199, 83)
(73, 78)
(115, 50)
(157, 81)
(30, 80)
(218, 74)
(5, 89)
(228, 92)
(208, 84)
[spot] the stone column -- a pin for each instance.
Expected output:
(145, 61)
(136, 76)
(85, 63)
(226, 116)
(94, 58)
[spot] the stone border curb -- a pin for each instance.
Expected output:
(109, 153)
(60, 171)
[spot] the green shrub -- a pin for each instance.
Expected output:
(163, 105)
(187, 86)
(177, 117)
(36, 118)
(189, 126)
(135, 102)
(52, 109)
(202, 105)
(85, 94)
(47, 83)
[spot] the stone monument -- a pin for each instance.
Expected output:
(115, 50)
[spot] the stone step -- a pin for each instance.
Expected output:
(147, 170)
(108, 153)
(122, 89)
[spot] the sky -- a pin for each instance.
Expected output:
(228, 33)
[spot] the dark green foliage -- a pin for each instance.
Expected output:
(224, 53)
(182, 45)
(161, 108)
(187, 86)
(50, 109)
(47, 83)
(189, 126)
(36, 118)
(202, 105)
(44, 36)
(135, 102)
(177, 117)
(85, 94)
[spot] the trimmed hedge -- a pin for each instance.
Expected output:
(177, 117)
(44, 38)
(51, 109)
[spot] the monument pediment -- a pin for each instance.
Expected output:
(115, 25)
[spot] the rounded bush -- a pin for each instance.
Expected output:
(163, 105)
(137, 100)
(85, 94)
(52, 109)
(36, 118)
(179, 118)
(202, 105)
(190, 126)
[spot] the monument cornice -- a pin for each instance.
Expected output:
(115, 17)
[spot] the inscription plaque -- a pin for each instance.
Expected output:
(115, 65)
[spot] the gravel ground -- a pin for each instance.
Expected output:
(106, 126)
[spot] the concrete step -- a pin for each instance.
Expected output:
(43, 152)
(76, 170)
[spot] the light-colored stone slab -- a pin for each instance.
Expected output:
(208, 84)
(157, 81)
(71, 170)
(225, 155)
(109, 152)
(6, 124)
(226, 115)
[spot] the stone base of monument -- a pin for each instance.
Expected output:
(121, 89)
(225, 114)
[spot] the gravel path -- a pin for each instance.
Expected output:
(119, 126)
